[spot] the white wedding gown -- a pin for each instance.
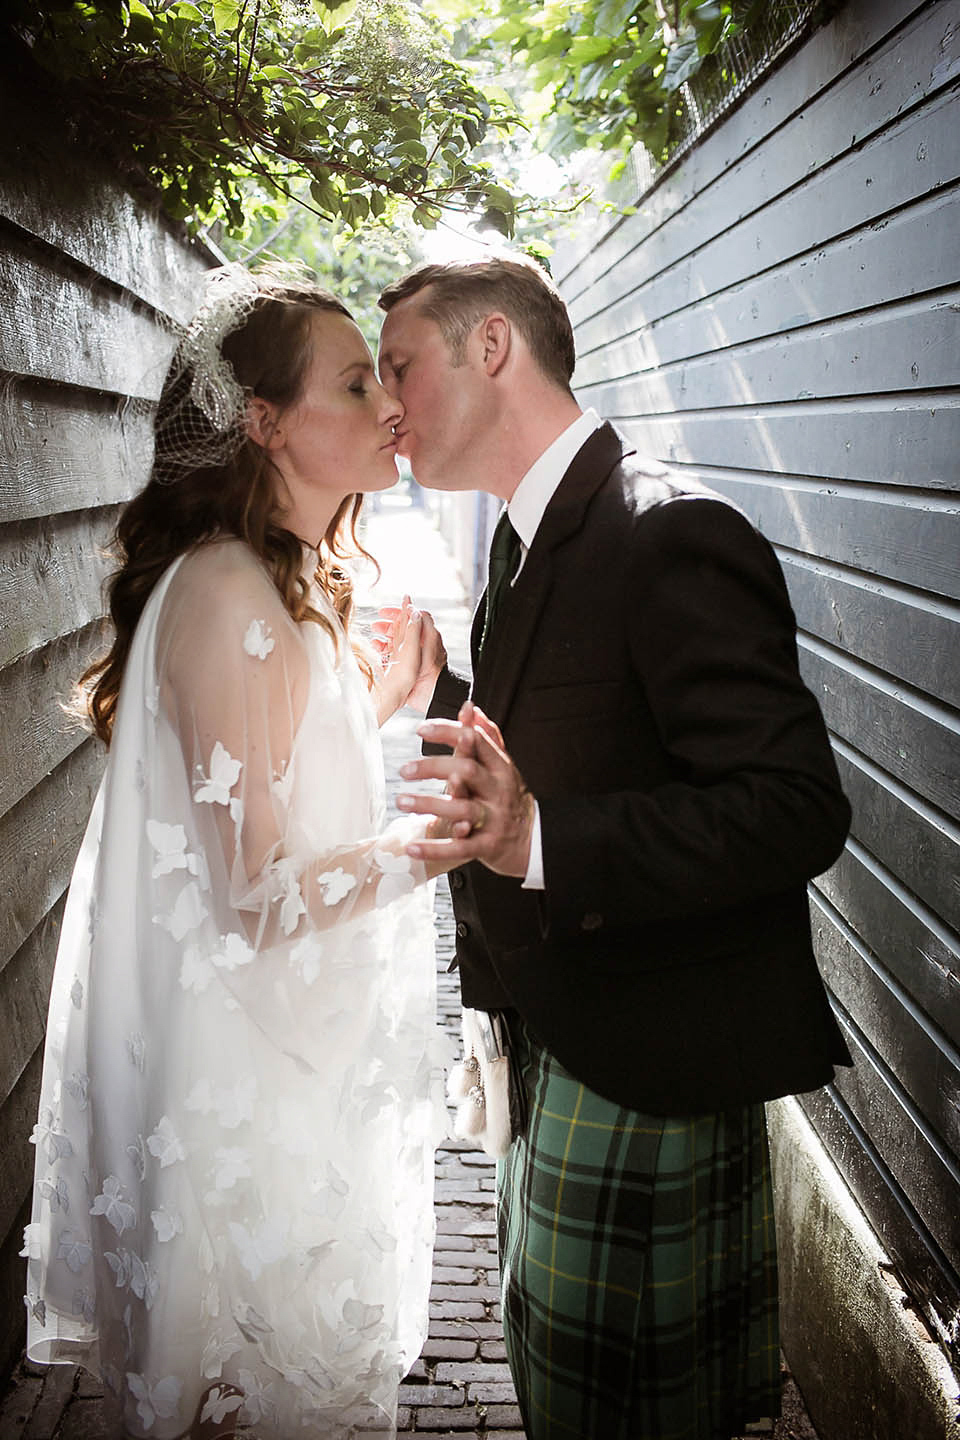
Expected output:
(242, 1084)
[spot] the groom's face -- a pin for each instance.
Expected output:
(444, 422)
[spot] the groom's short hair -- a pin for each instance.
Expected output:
(462, 292)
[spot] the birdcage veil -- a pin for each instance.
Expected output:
(201, 421)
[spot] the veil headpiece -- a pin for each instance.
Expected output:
(201, 421)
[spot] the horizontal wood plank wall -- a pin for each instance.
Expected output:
(90, 286)
(781, 320)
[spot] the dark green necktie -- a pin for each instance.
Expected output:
(504, 559)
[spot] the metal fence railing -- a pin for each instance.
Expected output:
(725, 78)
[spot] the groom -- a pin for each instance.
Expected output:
(650, 786)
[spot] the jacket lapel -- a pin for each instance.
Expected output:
(498, 671)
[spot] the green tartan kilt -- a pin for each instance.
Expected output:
(638, 1266)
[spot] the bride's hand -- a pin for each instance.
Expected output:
(399, 644)
(433, 655)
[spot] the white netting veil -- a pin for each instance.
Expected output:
(201, 421)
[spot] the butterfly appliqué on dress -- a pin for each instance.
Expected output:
(166, 1223)
(258, 640)
(55, 1143)
(159, 1401)
(335, 884)
(74, 1249)
(112, 1205)
(164, 1144)
(187, 913)
(169, 843)
(224, 774)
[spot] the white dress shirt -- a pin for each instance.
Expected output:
(526, 509)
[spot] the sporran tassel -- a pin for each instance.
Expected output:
(471, 1115)
(462, 1078)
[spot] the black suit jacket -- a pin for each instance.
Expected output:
(643, 670)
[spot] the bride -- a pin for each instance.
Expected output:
(232, 1219)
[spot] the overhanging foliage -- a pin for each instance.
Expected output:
(232, 105)
(610, 74)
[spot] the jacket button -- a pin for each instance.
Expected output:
(463, 930)
(456, 880)
(591, 921)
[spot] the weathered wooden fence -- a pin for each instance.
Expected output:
(781, 319)
(89, 283)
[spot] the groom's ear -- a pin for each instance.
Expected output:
(495, 336)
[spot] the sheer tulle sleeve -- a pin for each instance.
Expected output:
(256, 701)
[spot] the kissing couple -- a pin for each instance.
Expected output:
(242, 1084)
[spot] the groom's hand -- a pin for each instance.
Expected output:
(487, 809)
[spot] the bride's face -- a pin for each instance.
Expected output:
(337, 438)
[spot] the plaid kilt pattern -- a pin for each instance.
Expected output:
(638, 1266)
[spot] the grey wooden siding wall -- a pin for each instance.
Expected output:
(88, 283)
(781, 320)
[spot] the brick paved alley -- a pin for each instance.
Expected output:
(460, 1386)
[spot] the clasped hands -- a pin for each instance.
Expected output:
(486, 811)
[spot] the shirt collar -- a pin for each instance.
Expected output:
(536, 489)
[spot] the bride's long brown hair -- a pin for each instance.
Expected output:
(270, 354)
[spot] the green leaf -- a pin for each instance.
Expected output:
(225, 15)
(705, 16)
(473, 129)
(612, 15)
(325, 196)
(539, 250)
(141, 30)
(428, 216)
(594, 79)
(493, 219)
(682, 62)
(589, 47)
(512, 30)
(500, 199)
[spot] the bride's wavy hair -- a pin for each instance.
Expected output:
(269, 353)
